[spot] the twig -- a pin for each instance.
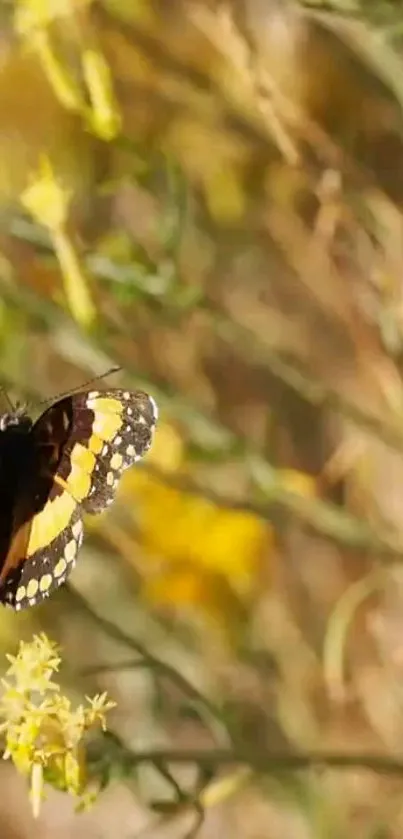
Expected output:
(327, 519)
(115, 666)
(153, 662)
(313, 391)
(263, 761)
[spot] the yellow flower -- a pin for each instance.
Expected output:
(186, 527)
(196, 553)
(43, 732)
(205, 556)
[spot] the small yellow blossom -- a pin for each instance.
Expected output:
(48, 202)
(31, 15)
(43, 732)
(104, 115)
(46, 198)
(299, 482)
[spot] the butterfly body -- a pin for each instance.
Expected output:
(16, 460)
(52, 471)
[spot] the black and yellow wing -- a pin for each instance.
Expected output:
(67, 463)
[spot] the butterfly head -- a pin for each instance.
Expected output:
(18, 420)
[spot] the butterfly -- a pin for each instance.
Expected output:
(67, 463)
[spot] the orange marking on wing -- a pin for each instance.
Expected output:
(60, 482)
(17, 551)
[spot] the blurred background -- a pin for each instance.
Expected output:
(210, 195)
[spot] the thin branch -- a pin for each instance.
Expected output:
(115, 666)
(266, 762)
(327, 519)
(307, 386)
(151, 661)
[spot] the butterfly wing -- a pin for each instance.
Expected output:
(112, 430)
(79, 448)
(46, 527)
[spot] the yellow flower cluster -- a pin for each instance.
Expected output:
(197, 555)
(43, 732)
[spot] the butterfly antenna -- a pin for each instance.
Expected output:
(79, 387)
(7, 398)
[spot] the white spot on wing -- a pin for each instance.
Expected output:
(154, 407)
(77, 529)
